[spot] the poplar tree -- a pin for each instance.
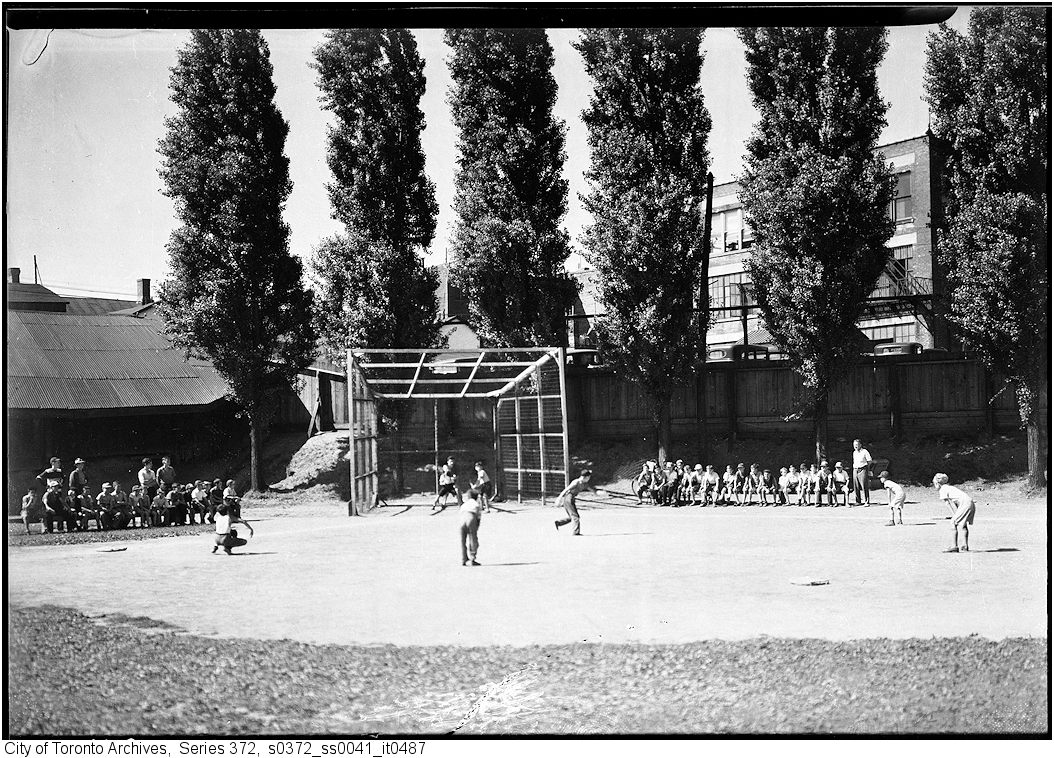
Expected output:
(508, 247)
(816, 195)
(235, 295)
(989, 97)
(648, 129)
(374, 289)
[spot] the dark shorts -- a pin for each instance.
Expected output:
(447, 489)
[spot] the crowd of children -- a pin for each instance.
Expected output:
(678, 484)
(69, 504)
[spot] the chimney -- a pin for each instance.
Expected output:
(13, 275)
(143, 289)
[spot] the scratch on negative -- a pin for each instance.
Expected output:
(491, 691)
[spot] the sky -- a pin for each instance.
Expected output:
(85, 116)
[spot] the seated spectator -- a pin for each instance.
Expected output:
(839, 484)
(159, 509)
(791, 486)
(724, 495)
(768, 486)
(73, 510)
(711, 486)
(642, 483)
(54, 509)
(215, 499)
(199, 497)
(107, 505)
(668, 488)
(140, 507)
(233, 501)
(176, 505)
(804, 485)
(753, 486)
(822, 484)
(125, 513)
(739, 484)
(694, 487)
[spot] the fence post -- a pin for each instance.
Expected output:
(730, 375)
(893, 379)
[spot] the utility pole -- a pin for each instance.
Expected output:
(704, 319)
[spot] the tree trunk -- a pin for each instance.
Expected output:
(820, 425)
(662, 428)
(1037, 453)
(255, 455)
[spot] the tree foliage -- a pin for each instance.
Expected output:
(989, 94)
(374, 289)
(648, 131)
(235, 295)
(815, 193)
(508, 246)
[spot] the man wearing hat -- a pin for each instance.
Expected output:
(78, 479)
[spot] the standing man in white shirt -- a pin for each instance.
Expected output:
(861, 473)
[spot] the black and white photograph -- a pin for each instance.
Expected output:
(444, 372)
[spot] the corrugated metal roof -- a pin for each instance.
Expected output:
(70, 361)
(96, 306)
(32, 293)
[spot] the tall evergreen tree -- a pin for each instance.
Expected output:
(648, 130)
(508, 247)
(373, 286)
(235, 295)
(989, 94)
(816, 194)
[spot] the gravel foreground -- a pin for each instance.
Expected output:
(71, 675)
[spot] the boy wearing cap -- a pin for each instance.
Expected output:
(963, 510)
(107, 506)
(896, 499)
(739, 484)
(839, 484)
(232, 500)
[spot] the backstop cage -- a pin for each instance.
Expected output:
(525, 388)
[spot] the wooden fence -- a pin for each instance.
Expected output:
(907, 397)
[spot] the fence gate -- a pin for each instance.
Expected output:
(362, 440)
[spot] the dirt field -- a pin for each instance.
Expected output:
(648, 578)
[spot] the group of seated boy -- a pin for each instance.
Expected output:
(678, 484)
(113, 508)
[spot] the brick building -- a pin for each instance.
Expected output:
(900, 308)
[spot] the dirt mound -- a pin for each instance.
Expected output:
(321, 460)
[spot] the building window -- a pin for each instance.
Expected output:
(892, 333)
(729, 232)
(901, 209)
(726, 293)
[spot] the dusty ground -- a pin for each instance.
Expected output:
(654, 620)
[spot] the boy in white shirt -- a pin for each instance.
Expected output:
(226, 537)
(471, 511)
(963, 510)
(896, 499)
(447, 484)
(839, 484)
